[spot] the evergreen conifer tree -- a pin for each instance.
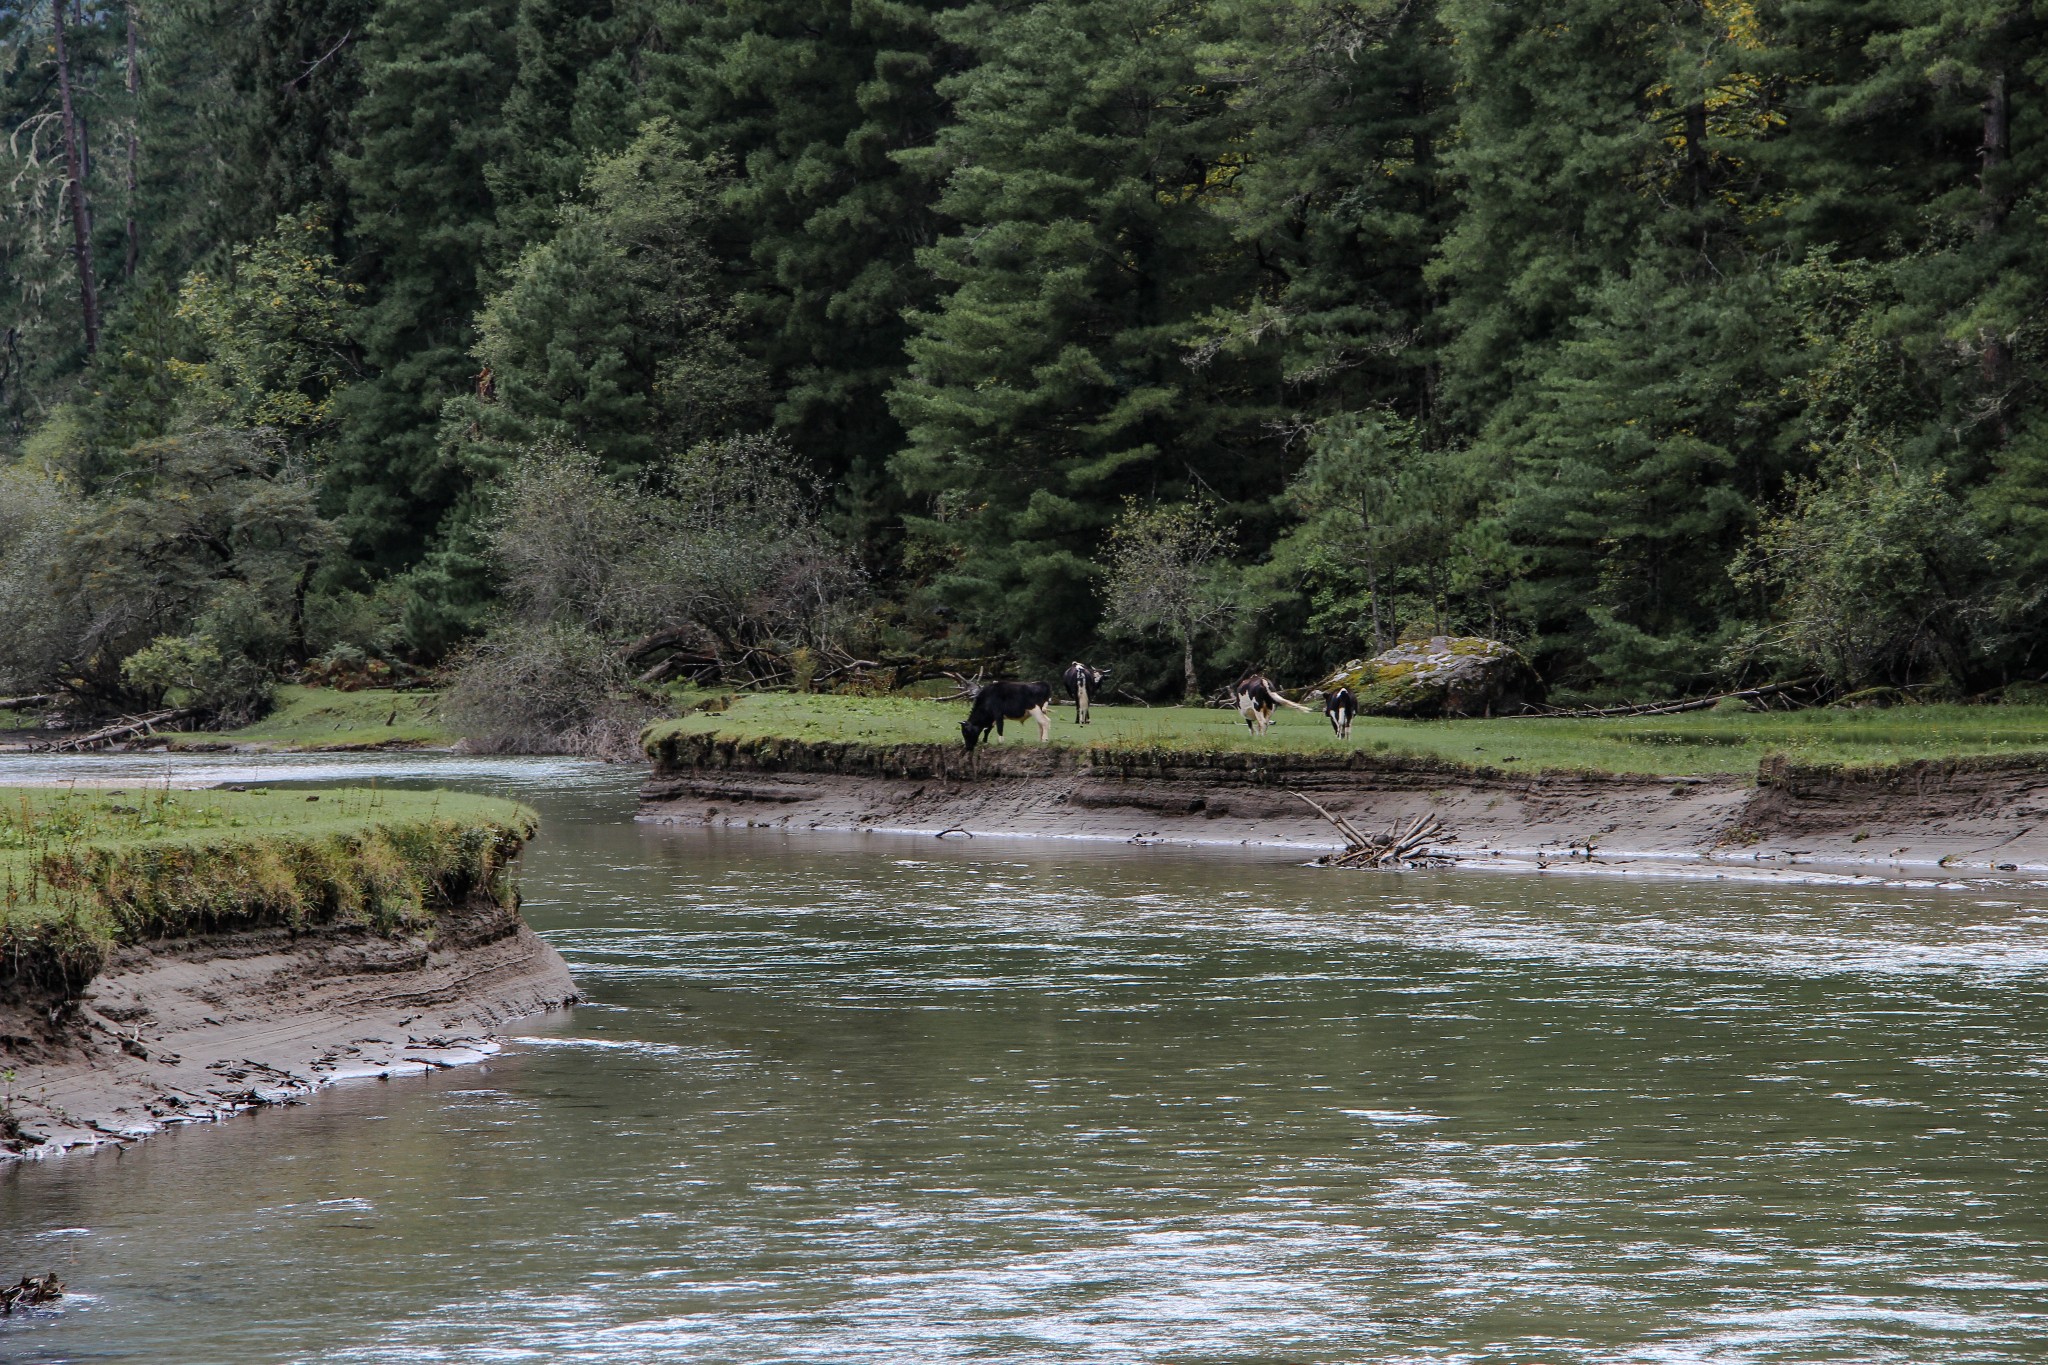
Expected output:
(1086, 168)
(815, 101)
(435, 76)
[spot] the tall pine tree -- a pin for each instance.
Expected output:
(816, 102)
(1092, 153)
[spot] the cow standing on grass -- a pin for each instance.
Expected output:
(1082, 683)
(1340, 707)
(1256, 698)
(997, 702)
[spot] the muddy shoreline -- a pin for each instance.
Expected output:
(200, 1028)
(1961, 820)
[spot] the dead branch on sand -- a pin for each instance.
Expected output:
(1403, 844)
(33, 1291)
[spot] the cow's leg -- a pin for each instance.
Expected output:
(999, 725)
(1038, 714)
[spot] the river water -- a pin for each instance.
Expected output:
(883, 1099)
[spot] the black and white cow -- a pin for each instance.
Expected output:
(997, 702)
(1082, 683)
(1256, 698)
(1340, 706)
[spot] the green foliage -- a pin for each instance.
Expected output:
(716, 560)
(1377, 546)
(611, 334)
(816, 102)
(39, 514)
(274, 332)
(190, 670)
(1637, 460)
(1167, 568)
(214, 535)
(1093, 155)
(1877, 575)
(434, 76)
(1495, 318)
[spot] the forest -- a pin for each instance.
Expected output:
(565, 348)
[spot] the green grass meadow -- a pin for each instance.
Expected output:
(324, 718)
(1727, 741)
(82, 868)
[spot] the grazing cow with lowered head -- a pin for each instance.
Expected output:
(1000, 701)
(1340, 706)
(1256, 698)
(1082, 683)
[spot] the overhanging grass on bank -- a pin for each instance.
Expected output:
(324, 718)
(1722, 742)
(84, 869)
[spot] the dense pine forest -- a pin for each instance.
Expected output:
(574, 348)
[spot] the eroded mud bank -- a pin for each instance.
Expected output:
(1976, 818)
(219, 968)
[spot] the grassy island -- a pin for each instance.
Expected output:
(326, 718)
(85, 870)
(1723, 742)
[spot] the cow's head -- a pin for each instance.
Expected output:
(970, 731)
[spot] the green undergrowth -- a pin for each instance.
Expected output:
(85, 869)
(1726, 741)
(324, 718)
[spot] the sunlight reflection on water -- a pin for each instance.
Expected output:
(847, 1099)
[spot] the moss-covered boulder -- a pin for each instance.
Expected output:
(1444, 675)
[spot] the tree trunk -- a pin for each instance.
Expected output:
(1995, 152)
(74, 166)
(134, 140)
(1372, 572)
(1996, 204)
(1187, 665)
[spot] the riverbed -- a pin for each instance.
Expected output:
(845, 1098)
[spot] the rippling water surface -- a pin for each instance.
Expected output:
(844, 1099)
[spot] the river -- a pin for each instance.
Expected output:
(882, 1099)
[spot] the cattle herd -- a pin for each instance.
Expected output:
(996, 702)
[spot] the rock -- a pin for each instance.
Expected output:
(1444, 675)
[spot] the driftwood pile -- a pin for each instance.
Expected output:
(32, 1292)
(120, 732)
(1404, 844)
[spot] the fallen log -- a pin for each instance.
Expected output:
(28, 703)
(1402, 845)
(1665, 708)
(121, 731)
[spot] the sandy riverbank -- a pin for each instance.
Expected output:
(200, 1028)
(1963, 819)
(173, 956)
